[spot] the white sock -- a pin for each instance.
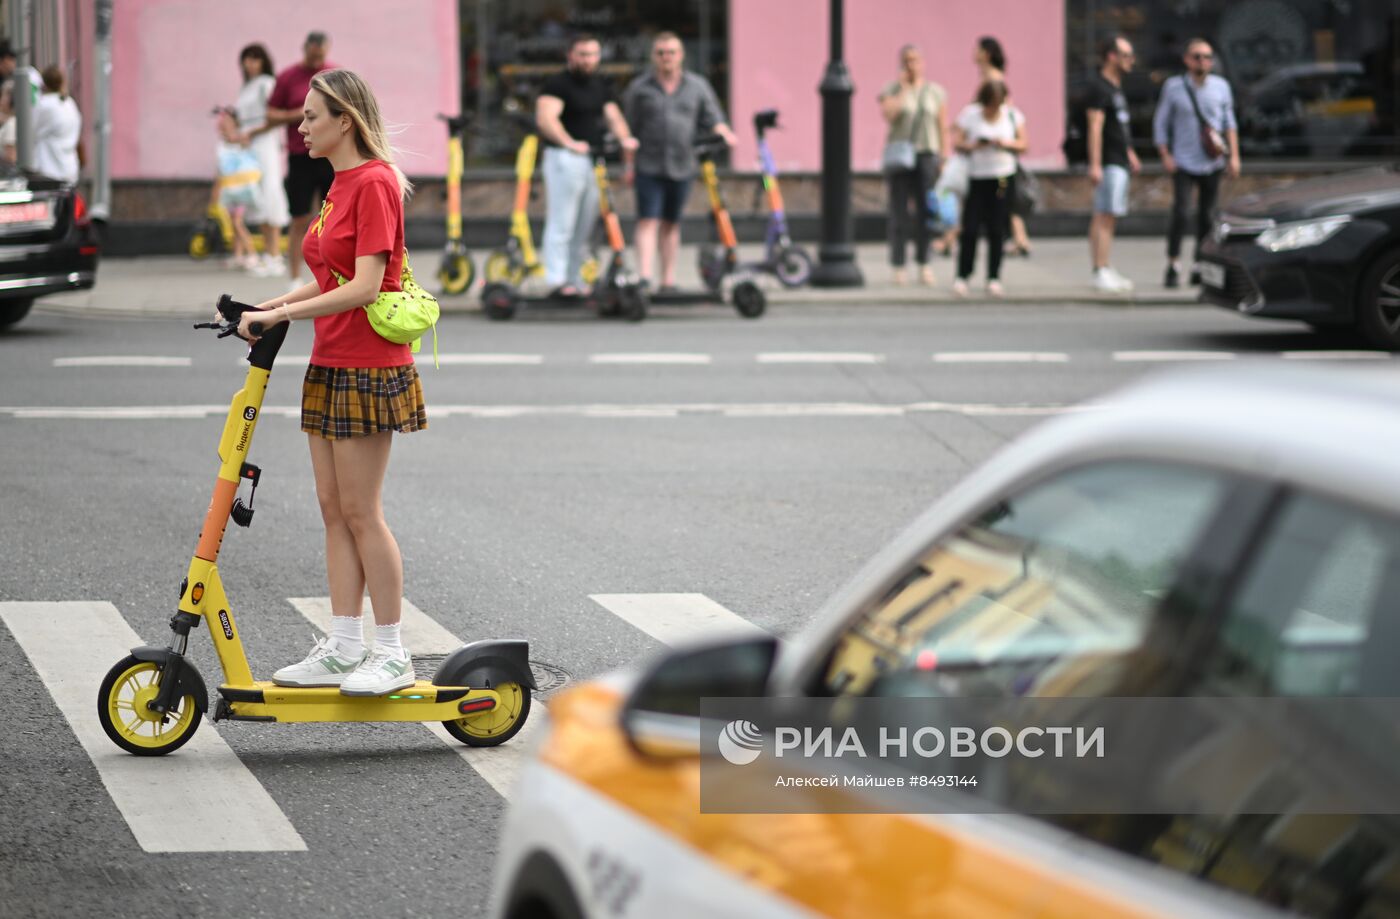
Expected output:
(387, 636)
(346, 630)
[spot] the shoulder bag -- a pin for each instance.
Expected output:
(1211, 140)
(404, 316)
(903, 155)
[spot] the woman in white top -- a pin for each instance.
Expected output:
(58, 126)
(266, 142)
(991, 135)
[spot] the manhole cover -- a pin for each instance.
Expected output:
(548, 677)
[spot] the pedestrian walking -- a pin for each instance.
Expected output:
(8, 128)
(9, 63)
(239, 188)
(990, 60)
(359, 387)
(308, 178)
(574, 110)
(1112, 159)
(1195, 131)
(990, 137)
(262, 137)
(916, 111)
(58, 127)
(666, 110)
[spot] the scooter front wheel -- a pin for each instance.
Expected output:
(121, 707)
(494, 727)
(793, 266)
(456, 273)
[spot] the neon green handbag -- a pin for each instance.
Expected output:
(404, 316)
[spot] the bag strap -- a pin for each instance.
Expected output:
(1186, 82)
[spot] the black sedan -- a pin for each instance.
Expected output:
(48, 243)
(1324, 251)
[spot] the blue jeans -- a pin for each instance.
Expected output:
(572, 210)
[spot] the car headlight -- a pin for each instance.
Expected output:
(1289, 236)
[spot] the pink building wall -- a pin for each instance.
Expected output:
(778, 52)
(174, 60)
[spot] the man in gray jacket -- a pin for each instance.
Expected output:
(667, 109)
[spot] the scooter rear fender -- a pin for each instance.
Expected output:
(487, 664)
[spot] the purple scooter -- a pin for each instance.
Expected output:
(789, 263)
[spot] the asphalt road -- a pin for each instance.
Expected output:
(756, 463)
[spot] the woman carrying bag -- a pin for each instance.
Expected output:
(360, 387)
(917, 115)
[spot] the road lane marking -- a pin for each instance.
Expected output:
(1000, 357)
(675, 619)
(736, 410)
(1165, 356)
(200, 798)
(819, 357)
(486, 359)
(121, 360)
(640, 358)
(499, 766)
(1335, 355)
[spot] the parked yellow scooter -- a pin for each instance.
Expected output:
(151, 702)
(456, 271)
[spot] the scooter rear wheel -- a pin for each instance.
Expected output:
(498, 301)
(121, 708)
(494, 727)
(749, 299)
(631, 303)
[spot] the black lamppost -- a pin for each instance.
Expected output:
(837, 266)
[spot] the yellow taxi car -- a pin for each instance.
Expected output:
(1226, 533)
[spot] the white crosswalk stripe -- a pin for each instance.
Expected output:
(1169, 356)
(121, 360)
(421, 634)
(676, 619)
(819, 357)
(640, 358)
(199, 799)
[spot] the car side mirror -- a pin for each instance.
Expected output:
(661, 718)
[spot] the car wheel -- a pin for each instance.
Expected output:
(12, 311)
(1378, 308)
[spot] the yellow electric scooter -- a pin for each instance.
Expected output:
(456, 271)
(151, 702)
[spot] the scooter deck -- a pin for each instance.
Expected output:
(423, 701)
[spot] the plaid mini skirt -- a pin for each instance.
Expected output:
(341, 402)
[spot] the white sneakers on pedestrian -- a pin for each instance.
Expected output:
(1110, 281)
(994, 289)
(960, 288)
(268, 266)
(326, 665)
(382, 671)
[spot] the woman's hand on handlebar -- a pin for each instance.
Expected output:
(265, 318)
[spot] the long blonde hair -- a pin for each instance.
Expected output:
(347, 93)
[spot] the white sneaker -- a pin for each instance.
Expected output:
(959, 288)
(269, 266)
(1110, 281)
(381, 672)
(324, 666)
(994, 289)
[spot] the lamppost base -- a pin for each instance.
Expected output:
(837, 268)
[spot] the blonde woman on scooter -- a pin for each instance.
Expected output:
(359, 388)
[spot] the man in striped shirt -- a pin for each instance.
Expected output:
(1177, 128)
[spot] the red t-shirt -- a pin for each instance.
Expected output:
(289, 92)
(362, 215)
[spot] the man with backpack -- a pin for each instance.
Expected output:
(1111, 157)
(1195, 131)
